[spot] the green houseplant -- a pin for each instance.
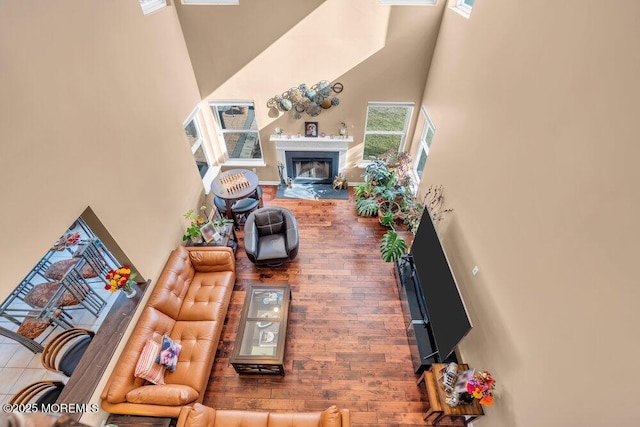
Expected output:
(193, 229)
(387, 192)
(384, 193)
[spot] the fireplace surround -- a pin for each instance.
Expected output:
(310, 157)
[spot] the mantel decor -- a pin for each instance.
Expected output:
(304, 98)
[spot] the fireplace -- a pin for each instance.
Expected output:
(313, 156)
(312, 167)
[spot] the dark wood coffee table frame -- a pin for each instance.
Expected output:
(250, 332)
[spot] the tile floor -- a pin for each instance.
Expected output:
(19, 366)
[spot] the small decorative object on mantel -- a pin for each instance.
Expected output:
(343, 129)
(121, 279)
(305, 98)
(311, 129)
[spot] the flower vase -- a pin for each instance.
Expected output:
(466, 398)
(128, 290)
(196, 240)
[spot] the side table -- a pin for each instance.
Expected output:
(228, 238)
(438, 408)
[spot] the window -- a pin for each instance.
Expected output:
(463, 7)
(386, 128)
(149, 6)
(198, 149)
(239, 130)
(407, 2)
(428, 130)
(213, 2)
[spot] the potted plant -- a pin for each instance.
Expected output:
(387, 192)
(193, 229)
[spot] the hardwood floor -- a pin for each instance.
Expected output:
(346, 342)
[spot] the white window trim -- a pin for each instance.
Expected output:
(422, 145)
(364, 162)
(212, 171)
(460, 7)
(223, 146)
(151, 7)
(212, 2)
(408, 2)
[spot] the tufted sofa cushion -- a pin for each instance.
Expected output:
(189, 306)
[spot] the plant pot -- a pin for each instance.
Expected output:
(466, 398)
(395, 208)
(197, 240)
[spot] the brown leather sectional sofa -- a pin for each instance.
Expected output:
(188, 303)
(204, 416)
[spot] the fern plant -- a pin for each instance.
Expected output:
(392, 246)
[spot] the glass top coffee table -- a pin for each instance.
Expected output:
(261, 338)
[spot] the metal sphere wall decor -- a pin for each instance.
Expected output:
(306, 99)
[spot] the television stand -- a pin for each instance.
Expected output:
(424, 352)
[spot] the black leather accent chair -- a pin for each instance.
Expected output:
(271, 236)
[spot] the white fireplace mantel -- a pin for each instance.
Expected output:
(301, 143)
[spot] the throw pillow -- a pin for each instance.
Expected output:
(147, 368)
(168, 356)
(270, 222)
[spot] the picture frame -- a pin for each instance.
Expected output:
(311, 129)
(214, 215)
(208, 231)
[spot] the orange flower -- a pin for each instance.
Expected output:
(487, 400)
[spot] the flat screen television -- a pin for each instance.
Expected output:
(446, 313)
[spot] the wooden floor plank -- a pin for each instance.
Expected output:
(346, 343)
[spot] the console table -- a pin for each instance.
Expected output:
(81, 385)
(438, 408)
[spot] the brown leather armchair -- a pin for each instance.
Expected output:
(271, 236)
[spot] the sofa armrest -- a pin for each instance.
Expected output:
(197, 415)
(346, 417)
(251, 239)
(292, 237)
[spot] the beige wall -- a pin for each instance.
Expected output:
(93, 99)
(535, 105)
(264, 47)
